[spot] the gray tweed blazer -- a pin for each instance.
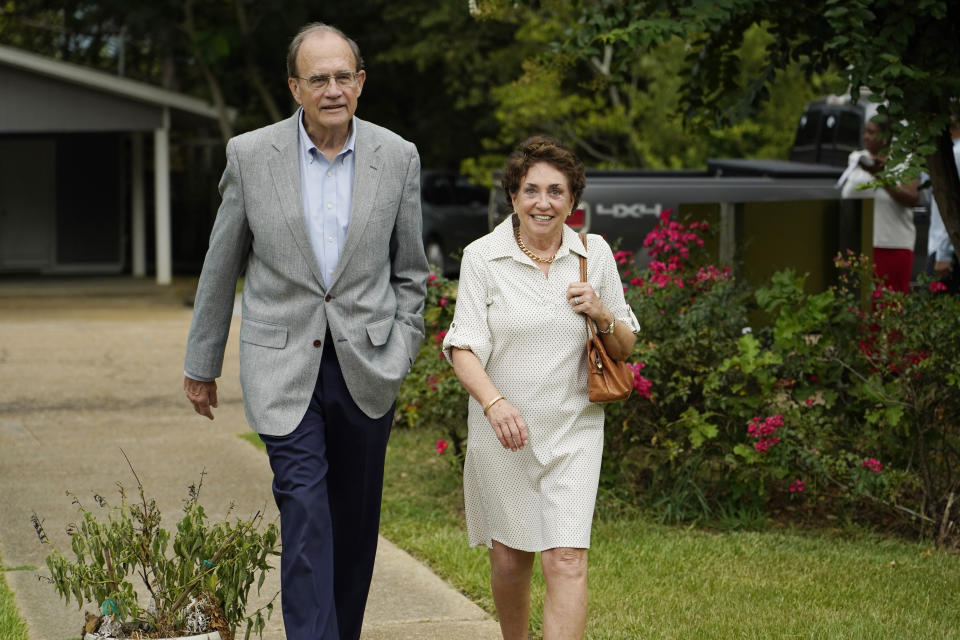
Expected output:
(373, 306)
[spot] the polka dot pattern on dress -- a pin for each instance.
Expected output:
(521, 327)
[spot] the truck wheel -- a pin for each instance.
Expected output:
(435, 255)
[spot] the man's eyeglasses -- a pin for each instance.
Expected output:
(344, 79)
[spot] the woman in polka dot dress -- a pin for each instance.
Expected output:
(517, 343)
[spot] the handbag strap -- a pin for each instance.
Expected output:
(583, 278)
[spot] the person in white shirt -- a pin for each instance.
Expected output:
(894, 233)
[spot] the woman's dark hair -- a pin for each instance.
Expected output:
(549, 150)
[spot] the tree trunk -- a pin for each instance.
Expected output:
(223, 118)
(253, 73)
(216, 93)
(946, 185)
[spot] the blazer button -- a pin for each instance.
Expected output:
(328, 298)
(317, 343)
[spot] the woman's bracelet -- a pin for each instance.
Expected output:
(491, 403)
(610, 327)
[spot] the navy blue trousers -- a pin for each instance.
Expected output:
(328, 482)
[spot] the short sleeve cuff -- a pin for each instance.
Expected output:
(631, 321)
(459, 338)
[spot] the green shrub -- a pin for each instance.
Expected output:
(431, 396)
(198, 578)
(836, 402)
(877, 386)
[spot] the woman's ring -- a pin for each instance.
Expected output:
(576, 300)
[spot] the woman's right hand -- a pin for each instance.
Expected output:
(508, 425)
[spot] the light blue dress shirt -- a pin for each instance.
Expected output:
(327, 196)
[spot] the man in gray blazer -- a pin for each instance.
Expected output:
(322, 211)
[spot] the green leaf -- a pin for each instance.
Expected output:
(893, 415)
(749, 454)
(700, 430)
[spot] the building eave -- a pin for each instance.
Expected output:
(101, 81)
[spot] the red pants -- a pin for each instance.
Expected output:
(893, 267)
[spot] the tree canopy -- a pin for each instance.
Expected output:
(464, 90)
(620, 106)
(629, 83)
(430, 66)
(904, 55)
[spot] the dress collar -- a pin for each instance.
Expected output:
(504, 245)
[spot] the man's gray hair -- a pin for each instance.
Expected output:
(318, 27)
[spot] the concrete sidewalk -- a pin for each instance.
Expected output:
(88, 367)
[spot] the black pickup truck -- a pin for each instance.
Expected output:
(624, 206)
(829, 129)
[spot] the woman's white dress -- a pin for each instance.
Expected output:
(521, 326)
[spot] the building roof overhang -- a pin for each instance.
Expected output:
(107, 83)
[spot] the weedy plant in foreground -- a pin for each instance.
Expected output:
(197, 579)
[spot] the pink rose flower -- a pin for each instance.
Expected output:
(764, 445)
(642, 385)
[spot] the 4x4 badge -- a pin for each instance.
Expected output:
(621, 210)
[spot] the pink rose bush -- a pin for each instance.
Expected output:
(431, 396)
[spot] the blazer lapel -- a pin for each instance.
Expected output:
(285, 168)
(366, 181)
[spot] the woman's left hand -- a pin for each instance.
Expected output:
(585, 300)
(619, 343)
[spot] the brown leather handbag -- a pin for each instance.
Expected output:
(609, 380)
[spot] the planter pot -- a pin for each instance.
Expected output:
(213, 635)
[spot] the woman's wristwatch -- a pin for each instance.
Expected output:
(609, 329)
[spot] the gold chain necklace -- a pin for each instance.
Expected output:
(531, 254)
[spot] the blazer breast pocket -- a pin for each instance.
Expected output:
(264, 334)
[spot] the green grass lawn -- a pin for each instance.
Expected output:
(654, 581)
(12, 626)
